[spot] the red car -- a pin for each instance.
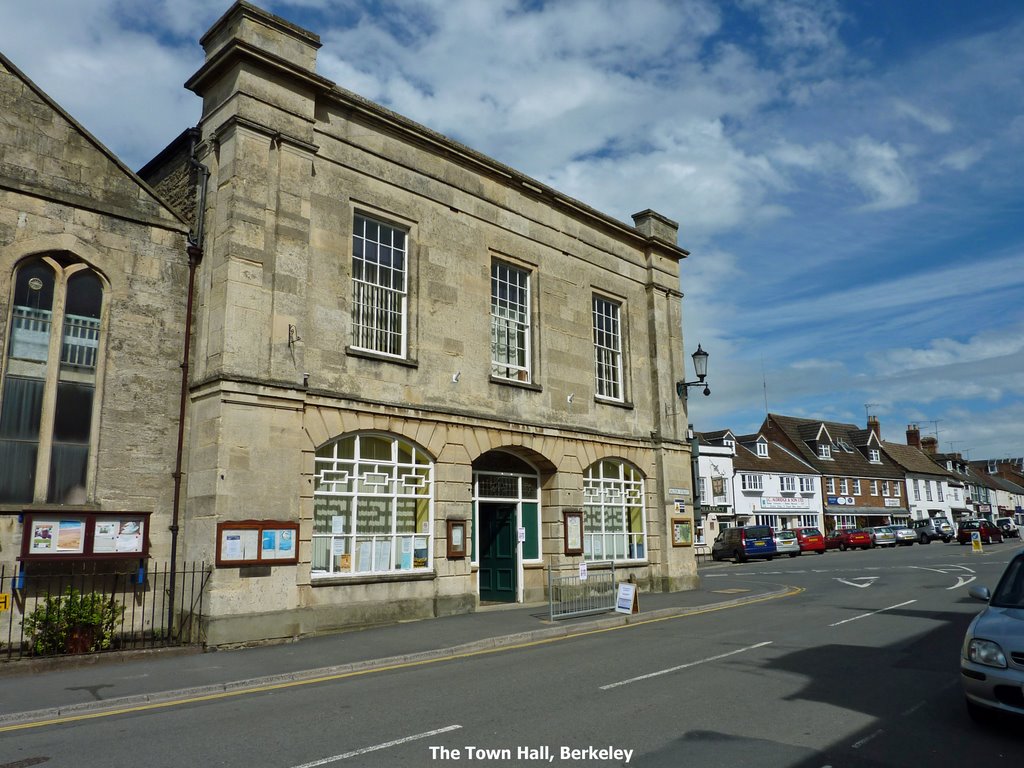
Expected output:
(848, 538)
(810, 540)
(989, 533)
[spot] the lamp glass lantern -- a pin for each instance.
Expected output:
(700, 363)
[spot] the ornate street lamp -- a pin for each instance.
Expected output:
(700, 367)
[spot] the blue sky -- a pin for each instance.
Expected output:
(848, 176)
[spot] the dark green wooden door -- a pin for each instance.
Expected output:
(497, 571)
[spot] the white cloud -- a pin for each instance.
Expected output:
(933, 122)
(876, 169)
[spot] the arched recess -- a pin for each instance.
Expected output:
(614, 514)
(373, 506)
(51, 371)
(506, 500)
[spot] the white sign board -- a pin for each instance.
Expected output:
(625, 601)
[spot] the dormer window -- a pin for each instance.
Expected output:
(824, 451)
(874, 456)
(762, 449)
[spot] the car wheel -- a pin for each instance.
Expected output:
(737, 557)
(821, 551)
(769, 558)
(842, 547)
(925, 540)
(793, 554)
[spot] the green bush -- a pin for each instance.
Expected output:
(73, 622)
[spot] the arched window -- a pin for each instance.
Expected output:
(614, 527)
(372, 507)
(49, 383)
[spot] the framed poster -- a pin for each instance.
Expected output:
(682, 532)
(456, 539)
(572, 531)
(85, 535)
(257, 542)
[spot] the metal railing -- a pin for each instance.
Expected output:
(59, 611)
(570, 595)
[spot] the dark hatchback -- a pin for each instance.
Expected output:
(742, 544)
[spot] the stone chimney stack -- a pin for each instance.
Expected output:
(930, 445)
(913, 435)
(875, 426)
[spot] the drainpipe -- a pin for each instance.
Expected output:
(195, 256)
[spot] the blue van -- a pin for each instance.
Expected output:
(742, 544)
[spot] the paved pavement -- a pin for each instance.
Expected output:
(32, 690)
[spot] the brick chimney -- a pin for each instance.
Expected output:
(874, 426)
(913, 435)
(930, 445)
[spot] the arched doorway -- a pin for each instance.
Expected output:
(506, 524)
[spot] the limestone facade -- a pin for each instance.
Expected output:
(287, 385)
(294, 162)
(66, 202)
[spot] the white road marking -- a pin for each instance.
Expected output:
(681, 666)
(866, 739)
(943, 568)
(865, 615)
(869, 579)
(962, 581)
(365, 750)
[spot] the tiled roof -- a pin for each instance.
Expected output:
(779, 460)
(915, 460)
(848, 463)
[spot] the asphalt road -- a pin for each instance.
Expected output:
(860, 668)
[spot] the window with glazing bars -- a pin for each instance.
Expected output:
(379, 287)
(510, 322)
(607, 349)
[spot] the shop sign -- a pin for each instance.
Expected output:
(892, 502)
(842, 501)
(783, 502)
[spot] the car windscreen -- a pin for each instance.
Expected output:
(1010, 592)
(757, 532)
(811, 532)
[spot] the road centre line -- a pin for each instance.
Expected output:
(683, 666)
(376, 747)
(865, 615)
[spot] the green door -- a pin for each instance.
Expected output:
(497, 572)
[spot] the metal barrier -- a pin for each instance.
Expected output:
(61, 611)
(569, 595)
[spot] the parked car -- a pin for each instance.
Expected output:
(1008, 528)
(933, 528)
(882, 536)
(989, 533)
(786, 543)
(740, 544)
(992, 657)
(810, 539)
(848, 538)
(905, 535)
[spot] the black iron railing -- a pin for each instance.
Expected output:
(91, 608)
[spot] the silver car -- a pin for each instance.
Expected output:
(882, 536)
(786, 543)
(992, 658)
(904, 535)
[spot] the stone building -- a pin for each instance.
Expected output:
(93, 269)
(419, 377)
(412, 380)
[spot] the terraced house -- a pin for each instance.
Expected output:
(862, 485)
